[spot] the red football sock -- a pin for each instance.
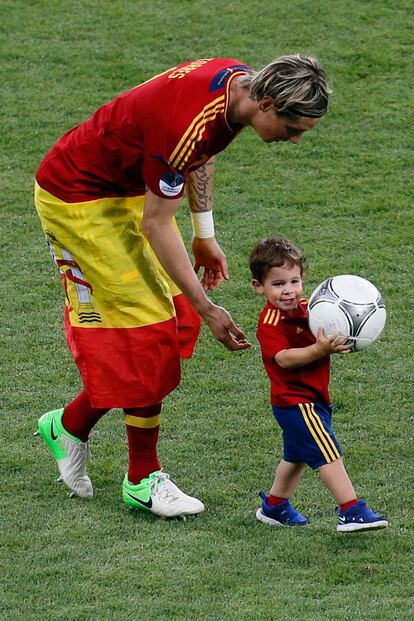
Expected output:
(79, 416)
(142, 425)
(348, 504)
(275, 500)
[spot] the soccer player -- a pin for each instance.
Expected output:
(298, 367)
(106, 195)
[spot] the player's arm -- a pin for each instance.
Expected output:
(207, 252)
(158, 227)
(300, 356)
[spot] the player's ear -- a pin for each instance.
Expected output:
(257, 286)
(265, 103)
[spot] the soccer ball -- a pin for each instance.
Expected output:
(349, 305)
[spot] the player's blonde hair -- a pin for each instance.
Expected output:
(296, 84)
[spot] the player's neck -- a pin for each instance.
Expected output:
(241, 106)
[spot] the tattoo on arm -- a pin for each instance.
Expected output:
(199, 187)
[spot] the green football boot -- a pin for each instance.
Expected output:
(71, 454)
(160, 495)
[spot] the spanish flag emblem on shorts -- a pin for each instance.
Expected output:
(126, 322)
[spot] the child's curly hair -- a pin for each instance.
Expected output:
(275, 252)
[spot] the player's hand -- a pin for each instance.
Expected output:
(208, 255)
(332, 344)
(224, 329)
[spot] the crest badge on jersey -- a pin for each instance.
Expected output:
(171, 184)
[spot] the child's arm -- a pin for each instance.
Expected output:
(300, 356)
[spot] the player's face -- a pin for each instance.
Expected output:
(273, 127)
(282, 287)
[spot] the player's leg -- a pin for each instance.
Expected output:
(142, 428)
(79, 417)
(66, 432)
(145, 486)
(120, 320)
(122, 316)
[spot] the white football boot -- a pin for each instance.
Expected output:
(71, 454)
(161, 496)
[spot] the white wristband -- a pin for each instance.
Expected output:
(203, 224)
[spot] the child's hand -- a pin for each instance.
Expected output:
(332, 344)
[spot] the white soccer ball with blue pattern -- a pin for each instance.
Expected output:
(351, 306)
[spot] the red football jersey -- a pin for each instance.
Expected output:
(152, 135)
(277, 331)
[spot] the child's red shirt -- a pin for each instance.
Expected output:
(277, 331)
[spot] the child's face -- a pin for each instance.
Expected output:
(282, 287)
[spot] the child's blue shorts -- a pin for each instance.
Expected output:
(307, 434)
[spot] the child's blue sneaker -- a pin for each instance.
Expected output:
(359, 517)
(279, 515)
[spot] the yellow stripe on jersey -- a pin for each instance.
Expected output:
(272, 316)
(276, 319)
(200, 128)
(316, 436)
(143, 423)
(269, 310)
(187, 137)
(196, 135)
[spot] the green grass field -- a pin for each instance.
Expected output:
(345, 196)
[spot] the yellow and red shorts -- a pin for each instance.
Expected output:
(127, 324)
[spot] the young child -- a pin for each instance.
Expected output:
(298, 368)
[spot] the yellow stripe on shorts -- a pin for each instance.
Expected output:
(328, 439)
(314, 425)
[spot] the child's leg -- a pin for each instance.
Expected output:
(353, 515)
(287, 478)
(276, 508)
(337, 481)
